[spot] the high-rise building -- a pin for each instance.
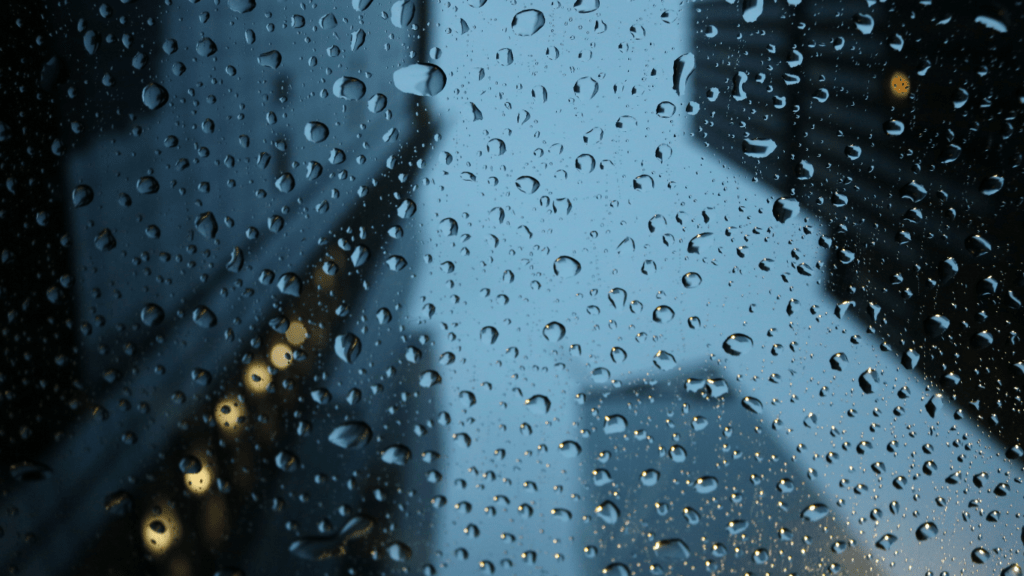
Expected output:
(906, 148)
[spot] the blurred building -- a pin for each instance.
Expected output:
(895, 124)
(183, 249)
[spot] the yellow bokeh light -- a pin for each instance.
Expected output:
(161, 529)
(230, 415)
(899, 85)
(199, 482)
(257, 377)
(296, 333)
(280, 355)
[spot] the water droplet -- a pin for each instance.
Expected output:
(286, 461)
(399, 552)
(359, 256)
(538, 404)
(396, 455)
(81, 196)
(691, 280)
(936, 325)
(206, 225)
(608, 512)
(154, 96)
(664, 360)
(927, 531)
(566, 266)
(870, 381)
(649, 477)
(488, 334)
(316, 132)
(351, 435)
(348, 347)
(30, 472)
(614, 424)
(527, 22)
(814, 512)
(758, 148)
(420, 79)
(674, 549)
(677, 454)
(527, 184)
(699, 242)
(706, 485)
(152, 315)
(586, 87)
(554, 331)
(147, 185)
(664, 314)
(682, 70)
(206, 47)
(349, 88)
(737, 344)
(204, 317)
(402, 13)
(785, 209)
(569, 449)
(190, 465)
(242, 6)
(980, 555)
(327, 547)
(618, 354)
(270, 59)
(586, 6)
(429, 378)
(753, 404)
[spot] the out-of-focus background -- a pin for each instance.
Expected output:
(582, 287)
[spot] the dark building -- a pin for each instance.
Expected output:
(896, 124)
(177, 266)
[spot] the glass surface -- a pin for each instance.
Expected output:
(582, 287)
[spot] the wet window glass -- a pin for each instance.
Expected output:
(557, 287)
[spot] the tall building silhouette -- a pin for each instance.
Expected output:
(895, 124)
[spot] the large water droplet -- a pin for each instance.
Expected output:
(566, 266)
(706, 485)
(814, 512)
(527, 184)
(554, 331)
(152, 315)
(348, 347)
(154, 95)
(758, 148)
(682, 70)
(351, 435)
(420, 79)
(538, 404)
(673, 549)
(608, 512)
(785, 208)
(614, 424)
(349, 88)
(316, 132)
(204, 317)
(663, 314)
(527, 22)
(927, 531)
(737, 344)
(396, 455)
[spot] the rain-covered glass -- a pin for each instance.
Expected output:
(469, 286)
